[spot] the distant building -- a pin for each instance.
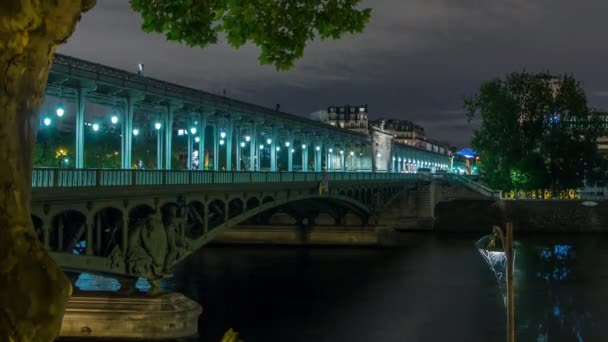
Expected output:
(350, 117)
(407, 132)
(602, 141)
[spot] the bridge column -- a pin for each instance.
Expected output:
(229, 137)
(304, 155)
(342, 158)
(273, 151)
(90, 224)
(318, 156)
(289, 153)
(190, 141)
(253, 147)
(239, 149)
(216, 155)
(127, 132)
(169, 111)
(79, 126)
(201, 141)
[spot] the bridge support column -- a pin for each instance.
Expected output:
(342, 158)
(318, 156)
(79, 127)
(273, 151)
(290, 155)
(168, 135)
(229, 137)
(305, 148)
(253, 146)
(201, 141)
(216, 154)
(159, 149)
(239, 149)
(90, 224)
(127, 133)
(190, 145)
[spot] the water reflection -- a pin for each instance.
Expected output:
(547, 303)
(400, 294)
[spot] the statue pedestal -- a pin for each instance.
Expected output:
(107, 315)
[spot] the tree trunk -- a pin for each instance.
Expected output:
(33, 289)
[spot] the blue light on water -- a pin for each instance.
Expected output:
(79, 246)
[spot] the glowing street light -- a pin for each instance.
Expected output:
(60, 111)
(269, 141)
(222, 141)
(331, 150)
(197, 139)
(95, 127)
(379, 155)
(135, 132)
(114, 119)
(287, 144)
(293, 150)
(158, 126)
(247, 138)
(261, 147)
(193, 130)
(352, 153)
(303, 146)
(317, 148)
(341, 152)
(180, 132)
(222, 134)
(278, 148)
(242, 144)
(47, 121)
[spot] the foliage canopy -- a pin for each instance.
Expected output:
(537, 131)
(280, 28)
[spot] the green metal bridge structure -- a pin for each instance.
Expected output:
(134, 223)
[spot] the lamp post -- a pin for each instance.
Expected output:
(497, 250)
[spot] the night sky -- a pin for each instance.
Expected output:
(416, 59)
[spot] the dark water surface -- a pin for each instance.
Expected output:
(434, 288)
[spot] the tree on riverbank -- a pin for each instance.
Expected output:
(537, 132)
(33, 289)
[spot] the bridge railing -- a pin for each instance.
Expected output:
(475, 186)
(70, 178)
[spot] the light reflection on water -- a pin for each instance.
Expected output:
(94, 282)
(561, 291)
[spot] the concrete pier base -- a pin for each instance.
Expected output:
(98, 315)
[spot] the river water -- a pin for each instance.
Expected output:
(432, 288)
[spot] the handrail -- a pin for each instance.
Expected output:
(71, 178)
(477, 187)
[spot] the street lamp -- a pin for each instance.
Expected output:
(331, 150)
(261, 147)
(293, 150)
(47, 121)
(278, 148)
(268, 141)
(287, 144)
(193, 130)
(197, 139)
(242, 144)
(498, 251)
(222, 141)
(318, 148)
(352, 153)
(247, 138)
(95, 127)
(60, 111)
(114, 119)
(341, 151)
(135, 132)
(303, 146)
(158, 126)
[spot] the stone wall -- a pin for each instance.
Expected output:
(527, 216)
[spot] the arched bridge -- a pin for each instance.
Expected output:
(140, 223)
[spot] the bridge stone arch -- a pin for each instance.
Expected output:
(196, 219)
(235, 207)
(107, 231)
(68, 232)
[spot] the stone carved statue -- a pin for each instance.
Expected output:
(155, 245)
(178, 245)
